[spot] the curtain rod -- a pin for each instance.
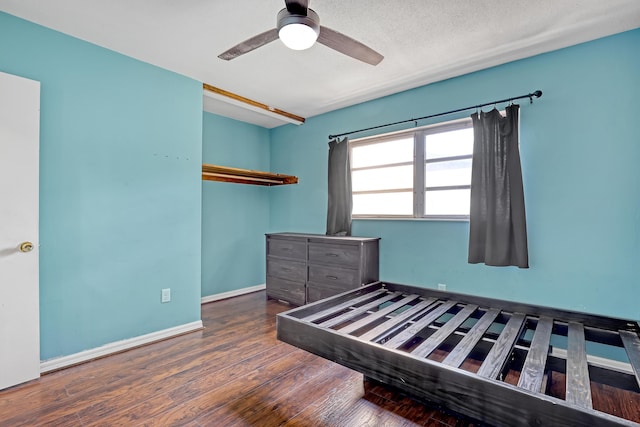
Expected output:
(537, 94)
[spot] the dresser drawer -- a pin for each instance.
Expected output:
(286, 269)
(327, 253)
(293, 249)
(303, 267)
(333, 275)
(286, 290)
(318, 291)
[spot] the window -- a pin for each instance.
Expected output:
(422, 173)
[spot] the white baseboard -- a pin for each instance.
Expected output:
(235, 293)
(598, 361)
(116, 347)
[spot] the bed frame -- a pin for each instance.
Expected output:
(487, 359)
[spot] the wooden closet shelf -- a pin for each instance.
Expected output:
(245, 176)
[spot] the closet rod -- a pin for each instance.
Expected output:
(537, 94)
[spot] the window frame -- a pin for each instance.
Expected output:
(419, 163)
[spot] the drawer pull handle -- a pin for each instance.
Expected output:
(286, 269)
(332, 277)
(332, 255)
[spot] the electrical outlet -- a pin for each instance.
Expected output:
(442, 287)
(166, 295)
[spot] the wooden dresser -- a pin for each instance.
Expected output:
(303, 268)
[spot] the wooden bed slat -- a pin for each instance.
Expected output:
(631, 344)
(379, 314)
(438, 337)
(497, 357)
(342, 306)
(483, 395)
(466, 344)
(412, 330)
(578, 384)
(532, 375)
(359, 310)
(390, 325)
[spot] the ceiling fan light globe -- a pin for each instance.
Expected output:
(298, 32)
(298, 36)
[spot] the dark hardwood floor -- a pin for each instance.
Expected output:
(232, 373)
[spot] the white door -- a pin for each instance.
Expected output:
(19, 158)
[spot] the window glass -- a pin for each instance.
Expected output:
(391, 176)
(447, 202)
(440, 174)
(449, 144)
(383, 204)
(384, 178)
(388, 152)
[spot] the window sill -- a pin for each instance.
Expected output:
(407, 218)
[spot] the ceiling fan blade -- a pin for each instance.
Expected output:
(249, 45)
(297, 7)
(348, 46)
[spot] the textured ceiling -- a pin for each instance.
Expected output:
(422, 41)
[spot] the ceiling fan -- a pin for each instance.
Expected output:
(299, 27)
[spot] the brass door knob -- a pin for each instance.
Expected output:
(26, 247)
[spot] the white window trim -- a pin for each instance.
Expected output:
(419, 161)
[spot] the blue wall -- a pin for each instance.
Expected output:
(123, 207)
(235, 217)
(580, 151)
(120, 189)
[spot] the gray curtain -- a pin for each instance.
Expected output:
(340, 203)
(498, 231)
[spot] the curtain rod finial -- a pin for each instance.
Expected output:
(537, 93)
